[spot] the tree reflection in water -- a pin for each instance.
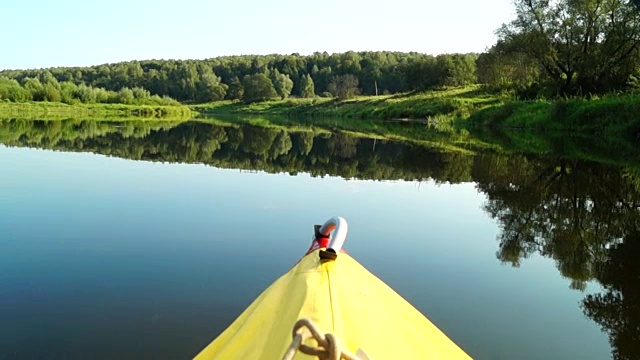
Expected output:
(586, 217)
(582, 214)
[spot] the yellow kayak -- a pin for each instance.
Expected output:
(328, 292)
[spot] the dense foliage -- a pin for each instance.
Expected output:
(344, 86)
(566, 47)
(551, 48)
(225, 77)
(46, 87)
(257, 87)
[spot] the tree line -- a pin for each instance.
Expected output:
(46, 87)
(552, 48)
(260, 77)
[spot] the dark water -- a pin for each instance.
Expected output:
(104, 257)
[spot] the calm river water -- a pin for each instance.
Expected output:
(146, 241)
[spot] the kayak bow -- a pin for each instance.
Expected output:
(330, 289)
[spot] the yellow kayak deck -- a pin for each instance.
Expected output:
(343, 298)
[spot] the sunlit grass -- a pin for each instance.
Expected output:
(613, 114)
(52, 111)
(454, 103)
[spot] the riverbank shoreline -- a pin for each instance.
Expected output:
(52, 111)
(470, 106)
(610, 115)
(436, 105)
(466, 107)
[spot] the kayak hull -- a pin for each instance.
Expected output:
(341, 297)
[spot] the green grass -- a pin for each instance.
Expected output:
(53, 111)
(436, 105)
(425, 118)
(612, 115)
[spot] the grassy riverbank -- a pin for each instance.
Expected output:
(434, 105)
(52, 111)
(475, 108)
(613, 115)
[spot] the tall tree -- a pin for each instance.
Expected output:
(236, 90)
(498, 70)
(307, 89)
(258, 87)
(344, 87)
(126, 96)
(422, 73)
(282, 83)
(582, 45)
(210, 88)
(462, 71)
(11, 90)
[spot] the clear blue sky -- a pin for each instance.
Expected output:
(77, 33)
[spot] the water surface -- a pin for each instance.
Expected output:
(152, 250)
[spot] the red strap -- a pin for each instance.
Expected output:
(317, 244)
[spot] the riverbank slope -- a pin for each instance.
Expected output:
(431, 105)
(611, 115)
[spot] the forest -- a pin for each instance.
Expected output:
(251, 78)
(560, 47)
(578, 60)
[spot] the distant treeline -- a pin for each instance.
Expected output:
(255, 78)
(551, 48)
(46, 87)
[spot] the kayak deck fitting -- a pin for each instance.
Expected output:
(334, 293)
